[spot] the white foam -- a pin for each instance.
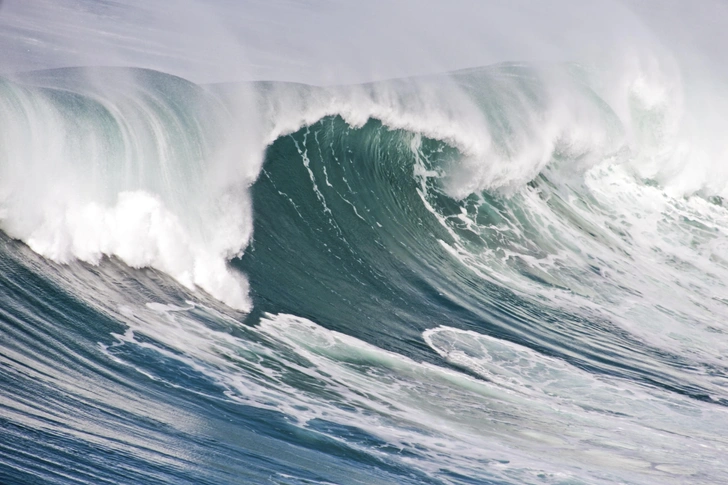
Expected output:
(132, 176)
(596, 429)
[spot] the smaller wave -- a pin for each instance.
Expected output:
(623, 423)
(489, 416)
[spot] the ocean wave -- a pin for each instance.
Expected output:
(421, 279)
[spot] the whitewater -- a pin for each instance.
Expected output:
(319, 242)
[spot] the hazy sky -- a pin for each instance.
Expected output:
(327, 41)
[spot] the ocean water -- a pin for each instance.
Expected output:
(506, 274)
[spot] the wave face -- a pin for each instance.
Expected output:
(510, 274)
